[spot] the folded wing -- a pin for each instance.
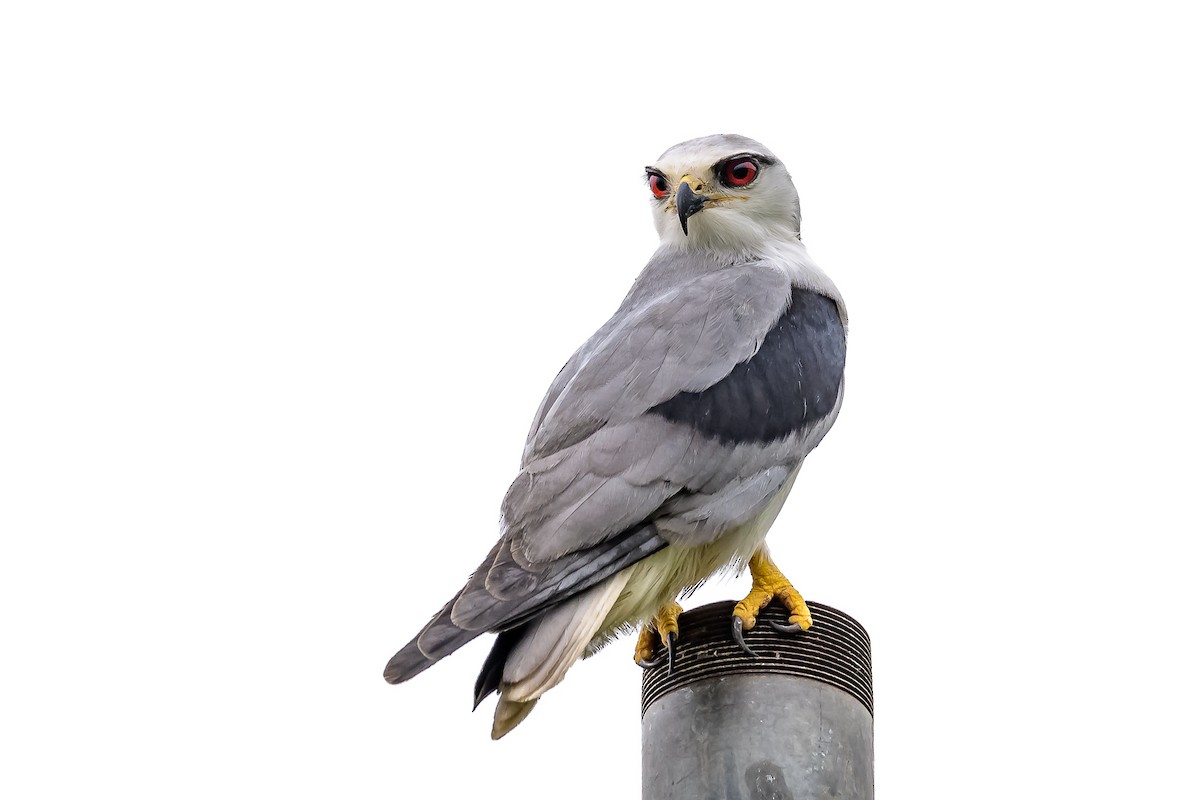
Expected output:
(685, 414)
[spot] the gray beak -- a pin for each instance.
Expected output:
(687, 203)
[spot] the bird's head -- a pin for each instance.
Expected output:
(722, 193)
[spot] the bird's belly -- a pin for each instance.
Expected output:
(657, 580)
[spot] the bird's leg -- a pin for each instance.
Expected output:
(665, 626)
(768, 583)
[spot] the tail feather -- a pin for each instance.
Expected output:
(525, 661)
(475, 610)
(529, 661)
(435, 641)
(510, 714)
(492, 671)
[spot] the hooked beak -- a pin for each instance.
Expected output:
(687, 201)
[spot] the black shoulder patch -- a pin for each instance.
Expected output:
(790, 383)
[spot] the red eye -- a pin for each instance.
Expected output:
(739, 172)
(658, 185)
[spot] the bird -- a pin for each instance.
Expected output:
(666, 446)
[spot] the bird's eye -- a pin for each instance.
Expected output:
(658, 185)
(739, 171)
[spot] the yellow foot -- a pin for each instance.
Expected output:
(664, 627)
(768, 583)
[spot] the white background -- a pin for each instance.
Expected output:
(283, 283)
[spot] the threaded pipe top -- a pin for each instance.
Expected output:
(835, 651)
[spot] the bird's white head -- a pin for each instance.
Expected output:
(724, 194)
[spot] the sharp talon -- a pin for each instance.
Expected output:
(667, 658)
(790, 628)
(737, 636)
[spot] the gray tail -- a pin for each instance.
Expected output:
(516, 597)
(438, 639)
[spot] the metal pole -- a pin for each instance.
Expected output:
(793, 723)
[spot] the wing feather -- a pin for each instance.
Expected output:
(683, 340)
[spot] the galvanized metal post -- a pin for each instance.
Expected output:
(793, 723)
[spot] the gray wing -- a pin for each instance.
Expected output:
(750, 392)
(737, 406)
(683, 340)
(679, 420)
